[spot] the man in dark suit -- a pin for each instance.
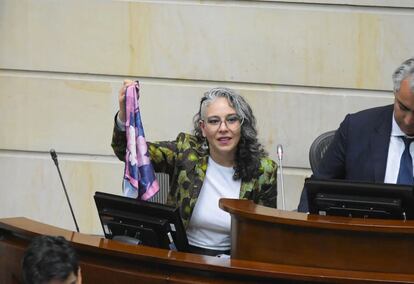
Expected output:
(370, 145)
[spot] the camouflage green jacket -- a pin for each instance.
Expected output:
(186, 163)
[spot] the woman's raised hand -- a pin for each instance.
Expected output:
(121, 99)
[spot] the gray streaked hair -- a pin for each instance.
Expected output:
(236, 101)
(249, 150)
(401, 73)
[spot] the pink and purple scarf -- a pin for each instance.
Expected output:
(139, 177)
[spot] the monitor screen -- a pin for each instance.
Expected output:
(141, 222)
(360, 199)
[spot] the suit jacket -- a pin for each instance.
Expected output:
(359, 149)
(186, 163)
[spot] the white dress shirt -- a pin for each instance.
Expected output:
(395, 151)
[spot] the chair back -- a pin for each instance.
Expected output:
(318, 149)
(164, 183)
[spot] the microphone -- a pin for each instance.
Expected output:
(55, 160)
(282, 189)
(279, 152)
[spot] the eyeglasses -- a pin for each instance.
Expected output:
(232, 122)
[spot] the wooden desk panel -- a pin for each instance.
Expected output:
(106, 261)
(290, 238)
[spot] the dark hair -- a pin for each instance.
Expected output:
(249, 150)
(48, 258)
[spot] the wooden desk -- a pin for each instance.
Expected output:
(290, 238)
(106, 261)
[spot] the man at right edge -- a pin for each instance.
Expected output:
(374, 145)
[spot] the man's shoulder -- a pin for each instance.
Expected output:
(372, 112)
(371, 116)
(362, 124)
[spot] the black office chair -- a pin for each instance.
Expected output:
(318, 149)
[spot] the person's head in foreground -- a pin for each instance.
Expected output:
(50, 260)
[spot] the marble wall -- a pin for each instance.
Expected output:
(302, 65)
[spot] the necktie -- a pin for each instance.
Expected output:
(405, 175)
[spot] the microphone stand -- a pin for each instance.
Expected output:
(282, 189)
(54, 157)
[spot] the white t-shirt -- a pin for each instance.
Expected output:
(209, 226)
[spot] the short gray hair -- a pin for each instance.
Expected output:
(404, 71)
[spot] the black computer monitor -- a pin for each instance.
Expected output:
(141, 222)
(360, 199)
